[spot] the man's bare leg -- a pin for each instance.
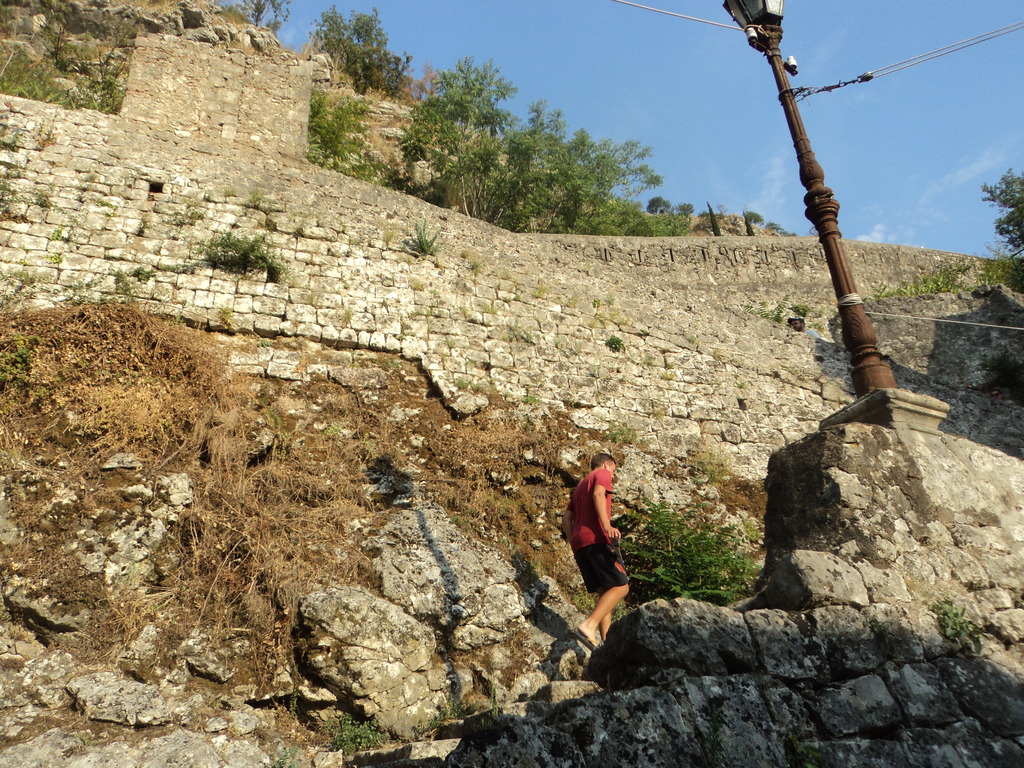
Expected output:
(601, 616)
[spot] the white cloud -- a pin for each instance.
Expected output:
(879, 234)
(882, 233)
(990, 159)
(771, 200)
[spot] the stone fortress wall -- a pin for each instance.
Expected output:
(648, 337)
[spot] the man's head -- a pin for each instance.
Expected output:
(797, 324)
(602, 460)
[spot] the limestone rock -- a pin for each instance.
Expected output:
(643, 726)
(366, 650)
(687, 635)
(519, 742)
(804, 579)
(436, 573)
(106, 696)
(987, 691)
(860, 706)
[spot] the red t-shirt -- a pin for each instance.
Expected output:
(586, 526)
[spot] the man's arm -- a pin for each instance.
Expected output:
(603, 516)
(568, 518)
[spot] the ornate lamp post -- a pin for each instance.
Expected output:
(761, 19)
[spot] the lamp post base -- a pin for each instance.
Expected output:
(894, 408)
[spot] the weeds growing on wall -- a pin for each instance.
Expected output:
(960, 275)
(242, 255)
(956, 626)
(676, 553)
(780, 311)
(424, 242)
(1006, 370)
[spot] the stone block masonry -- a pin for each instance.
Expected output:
(201, 97)
(646, 338)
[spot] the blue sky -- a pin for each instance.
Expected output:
(906, 154)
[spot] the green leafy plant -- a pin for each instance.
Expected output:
(711, 745)
(269, 13)
(615, 344)
(1005, 269)
(956, 626)
(712, 463)
(358, 46)
(16, 360)
(680, 554)
(348, 735)
(518, 333)
(424, 242)
(622, 433)
(286, 758)
(716, 230)
(1005, 369)
(241, 255)
(949, 278)
(338, 138)
(1008, 196)
(780, 311)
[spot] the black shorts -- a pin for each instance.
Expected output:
(602, 567)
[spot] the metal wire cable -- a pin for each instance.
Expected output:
(804, 92)
(953, 322)
(678, 15)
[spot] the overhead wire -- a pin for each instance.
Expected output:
(804, 92)
(677, 15)
(940, 320)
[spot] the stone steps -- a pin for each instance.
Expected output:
(428, 754)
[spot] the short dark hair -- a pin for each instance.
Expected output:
(600, 459)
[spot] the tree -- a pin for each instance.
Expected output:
(659, 205)
(273, 12)
(524, 177)
(358, 46)
(1008, 196)
(460, 132)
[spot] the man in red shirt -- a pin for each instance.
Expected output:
(587, 525)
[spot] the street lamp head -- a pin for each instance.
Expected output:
(749, 13)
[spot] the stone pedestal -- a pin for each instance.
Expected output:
(894, 408)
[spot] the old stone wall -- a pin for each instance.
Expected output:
(194, 94)
(647, 338)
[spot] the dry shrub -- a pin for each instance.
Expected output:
(281, 471)
(106, 376)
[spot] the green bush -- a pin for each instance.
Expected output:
(358, 46)
(241, 255)
(676, 554)
(1006, 369)
(337, 138)
(615, 344)
(348, 735)
(949, 278)
(780, 311)
(956, 626)
(16, 360)
(1004, 269)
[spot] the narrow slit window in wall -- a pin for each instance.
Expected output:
(156, 188)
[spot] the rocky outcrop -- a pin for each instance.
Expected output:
(849, 656)
(195, 20)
